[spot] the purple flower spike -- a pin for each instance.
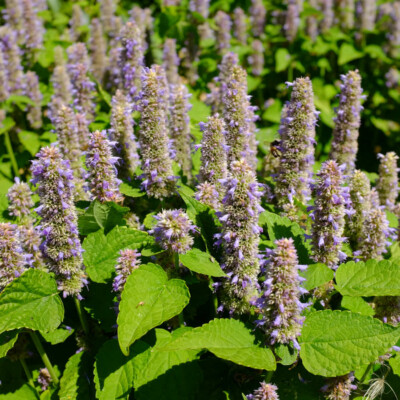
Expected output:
(32, 25)
(122, 133)
(347, 13)
(4, 85)
(366, 14)
(347, 122)
(19, 197)
(44, 378)
(12, 259)
(279, 303)
(107, 13)
(339, 388)
(59, 220)
(256, 60)
(388, 181)
(240, 237)
(331, 202)
(103, 182)
(126, 264)
(297, 133)
(224, 25)
(240, 25)
(171, 61)
(266, 391)
(32, 90)
(172, 231)
(98, 47)
(292, 21)
(157, 175)
(258, 15)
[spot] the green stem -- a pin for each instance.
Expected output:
(27, 372)
(82, 316)
(10, 152)
(36, 341)
(268, 377)
(176, 261)
(366, 372)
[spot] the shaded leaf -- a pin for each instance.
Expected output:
(201, 262)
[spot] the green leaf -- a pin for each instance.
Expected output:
(130, 191)
(101, 252)
(358, 305)
(395, 364)
(334, 343)
(74, 383)
(58, 336)
(287, 355)
(24, 392)
(273, 112)
(6, 125)
(148, 299)
(201, 262)
(282, 227)
(30, 140)
(371, 278)
(113, 372)
(7, 341)
(316, 275)
(282, 60)
(348, 53)
(228, 339)
(101, 215)
(31, 301)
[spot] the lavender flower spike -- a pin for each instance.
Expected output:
(122, 133)
(107, 12)
(387, 184)
(366, 12)
(328, 215)
(180, 127)
(61, 246)
(171, 61)
(13, 15)
(33, 26)
(256, 60)
(103, 181)
(329, 15)
(158, 176)
(213, 167)
(12, 260)
(224, 25)
(131, 58)
(280, 301)
(172, 231)
(4, 87)
(292, 21)
(98, 47)
(266, 391)
(339, 388)
(347, 122)
(240, 25)
(258, 15)
(347, 12)
(360, 196)
(20, 198)
(297, 133)
(34, 114)
(126, 264)
(240, 237)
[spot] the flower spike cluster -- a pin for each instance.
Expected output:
(256, 60)
(332, 202)
(280, 303)
(180, 127)
(98, 47)
(61, 246)
(20, 198)
(347, 122)
(224, 24)
(266, 391)
(258, 15)
(159, 180)
(103, 181)
(33, 26)
(339, 388)
(388, 181)
(297, 133)
(4, 88)
(122, 133)
(172, 231)
(240, 237)
(171, 61)
(131, 58)
(126, 264)
(12, 259)
(292, 21)
(34, 114)
(240, 25)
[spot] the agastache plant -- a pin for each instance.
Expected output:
(69, 146)
(328, 215)
(223, 33)
(239, 237)
(76, 23)
(256, 60)
(292, 21)
(213, 161)
(171, 61)
(34, 114)
(329, 15)
(387, 184)
(98, 47)
(128, 261)
(312, 21)
(33, 26)
(366, 13)
(131, 59)
(122, 133)
(107, 12)
(61, 246)
(20, 198)
(12, 259)
(339, 388)
(347, 12)
(240, 25)
(279, 303)
(266, 391)
(297, 132)
(4, 87)
(102, 173)
(12, 14)
(258, 15)
(173, 231)
(158, 177)
(347, 122)
(180, 127)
